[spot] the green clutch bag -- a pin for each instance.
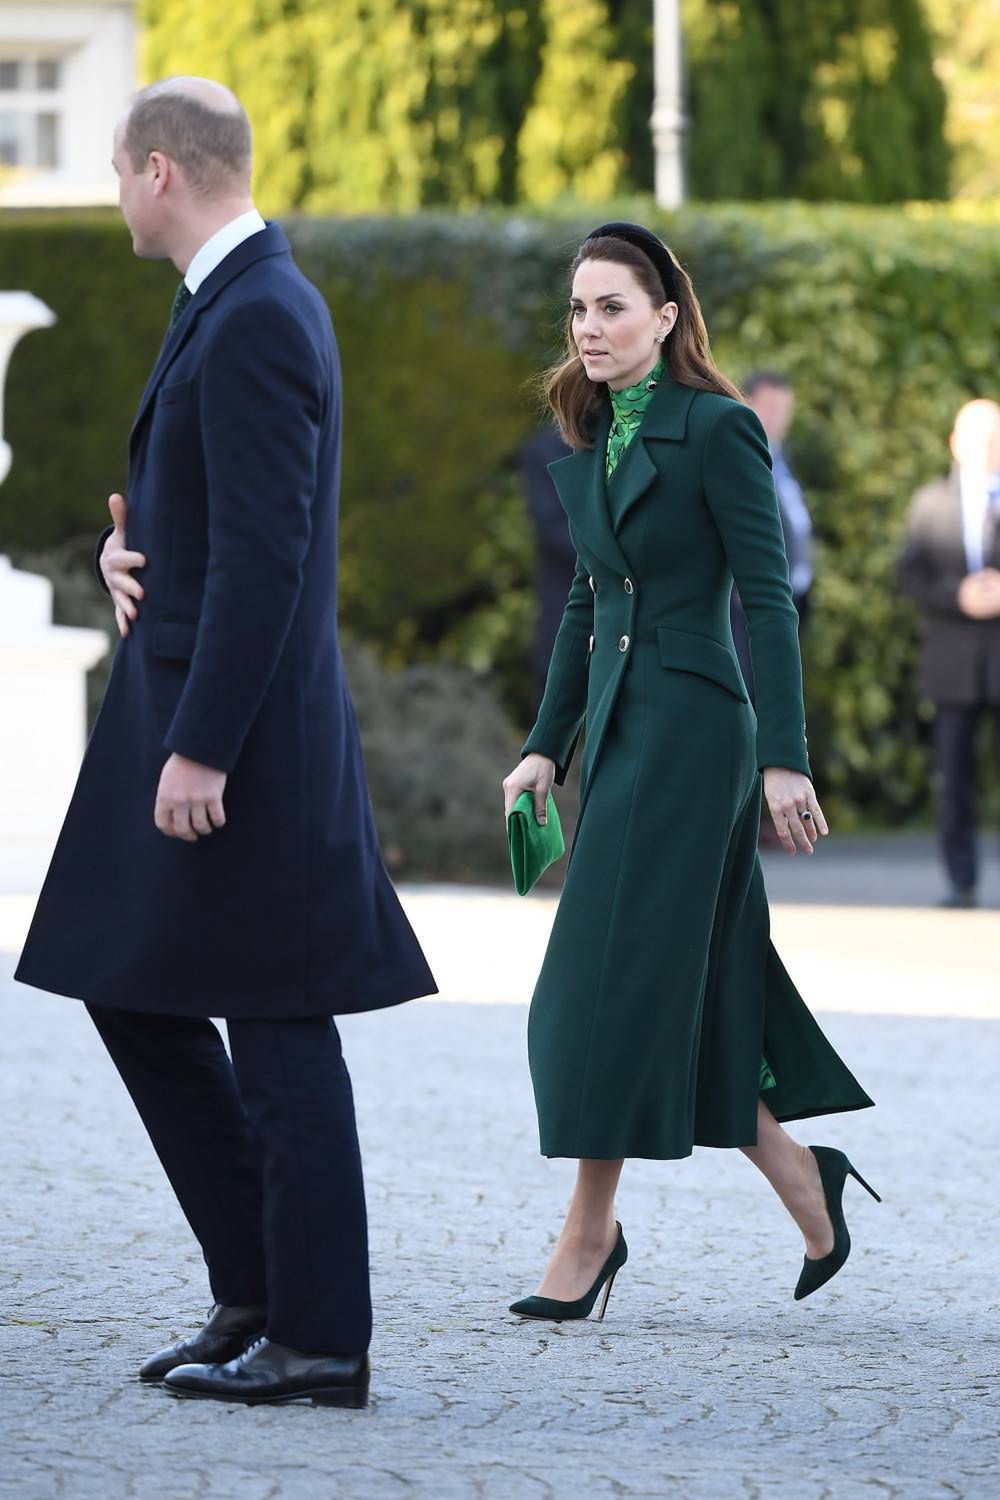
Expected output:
(533, 845)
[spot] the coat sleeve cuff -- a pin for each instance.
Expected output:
(562, 758)
(203, 751)
(788, 757)
(97, 557)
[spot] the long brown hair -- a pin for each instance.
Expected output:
(576, 400)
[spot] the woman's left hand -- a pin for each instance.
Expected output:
(798, 817)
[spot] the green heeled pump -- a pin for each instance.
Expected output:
(834, 1170)
(554, 1311)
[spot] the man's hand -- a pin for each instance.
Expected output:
(117, 564)
(189, 800)
(979, 594)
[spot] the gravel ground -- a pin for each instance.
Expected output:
(705, 1380)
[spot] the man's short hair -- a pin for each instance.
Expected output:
(213, 147)
(758, 378)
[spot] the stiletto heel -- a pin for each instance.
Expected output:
(554, 1311)
(866, 1185)
(834, 1170)
(607, 1293)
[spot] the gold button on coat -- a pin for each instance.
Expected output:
(623, 643)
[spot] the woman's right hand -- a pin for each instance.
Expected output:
(536, 773)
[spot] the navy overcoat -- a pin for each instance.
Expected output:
(234, 662)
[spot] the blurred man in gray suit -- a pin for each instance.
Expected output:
(950, 567)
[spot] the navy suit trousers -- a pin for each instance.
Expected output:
(262, 1153)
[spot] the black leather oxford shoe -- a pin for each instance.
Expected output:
(224, 1336)
(272, 1372)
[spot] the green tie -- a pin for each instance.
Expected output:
(181, 299)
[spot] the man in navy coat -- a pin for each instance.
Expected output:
(219, 857)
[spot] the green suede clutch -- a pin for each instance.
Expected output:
(533, 845)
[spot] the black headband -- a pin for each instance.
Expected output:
(644, 240)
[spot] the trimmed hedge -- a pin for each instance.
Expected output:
(886, 320)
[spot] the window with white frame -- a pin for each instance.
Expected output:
(31, 110)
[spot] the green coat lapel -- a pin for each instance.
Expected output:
(665, 418)
(580, 483)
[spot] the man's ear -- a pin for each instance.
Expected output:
(161, 168)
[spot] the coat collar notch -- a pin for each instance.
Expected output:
(667, 413)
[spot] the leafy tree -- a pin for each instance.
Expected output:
(968, 65)
(364, 104)
(393, 105)
(633, 22)
(846, 107)
(569, 146)
(373, 105)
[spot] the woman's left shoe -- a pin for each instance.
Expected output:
(554, 1311)
(834, 1170)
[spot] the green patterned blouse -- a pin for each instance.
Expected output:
(628, 407)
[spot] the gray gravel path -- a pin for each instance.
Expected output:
(706, 1380)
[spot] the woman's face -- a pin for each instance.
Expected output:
(615, 325)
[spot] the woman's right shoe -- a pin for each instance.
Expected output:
(834, 1170)
(554, 1311)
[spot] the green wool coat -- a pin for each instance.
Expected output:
(660, 989)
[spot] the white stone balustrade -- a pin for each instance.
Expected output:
(43, 667)
(43, 723)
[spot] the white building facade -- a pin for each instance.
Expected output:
(67, 70)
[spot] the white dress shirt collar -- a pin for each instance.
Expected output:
(225, 240)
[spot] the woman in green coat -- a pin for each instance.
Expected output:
(663, 1018)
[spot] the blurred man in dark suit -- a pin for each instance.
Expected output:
(950, 566)
(771, 396)
(556, 553)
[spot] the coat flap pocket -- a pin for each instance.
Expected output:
(684, 652)
(180, 390)
(174, 639)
